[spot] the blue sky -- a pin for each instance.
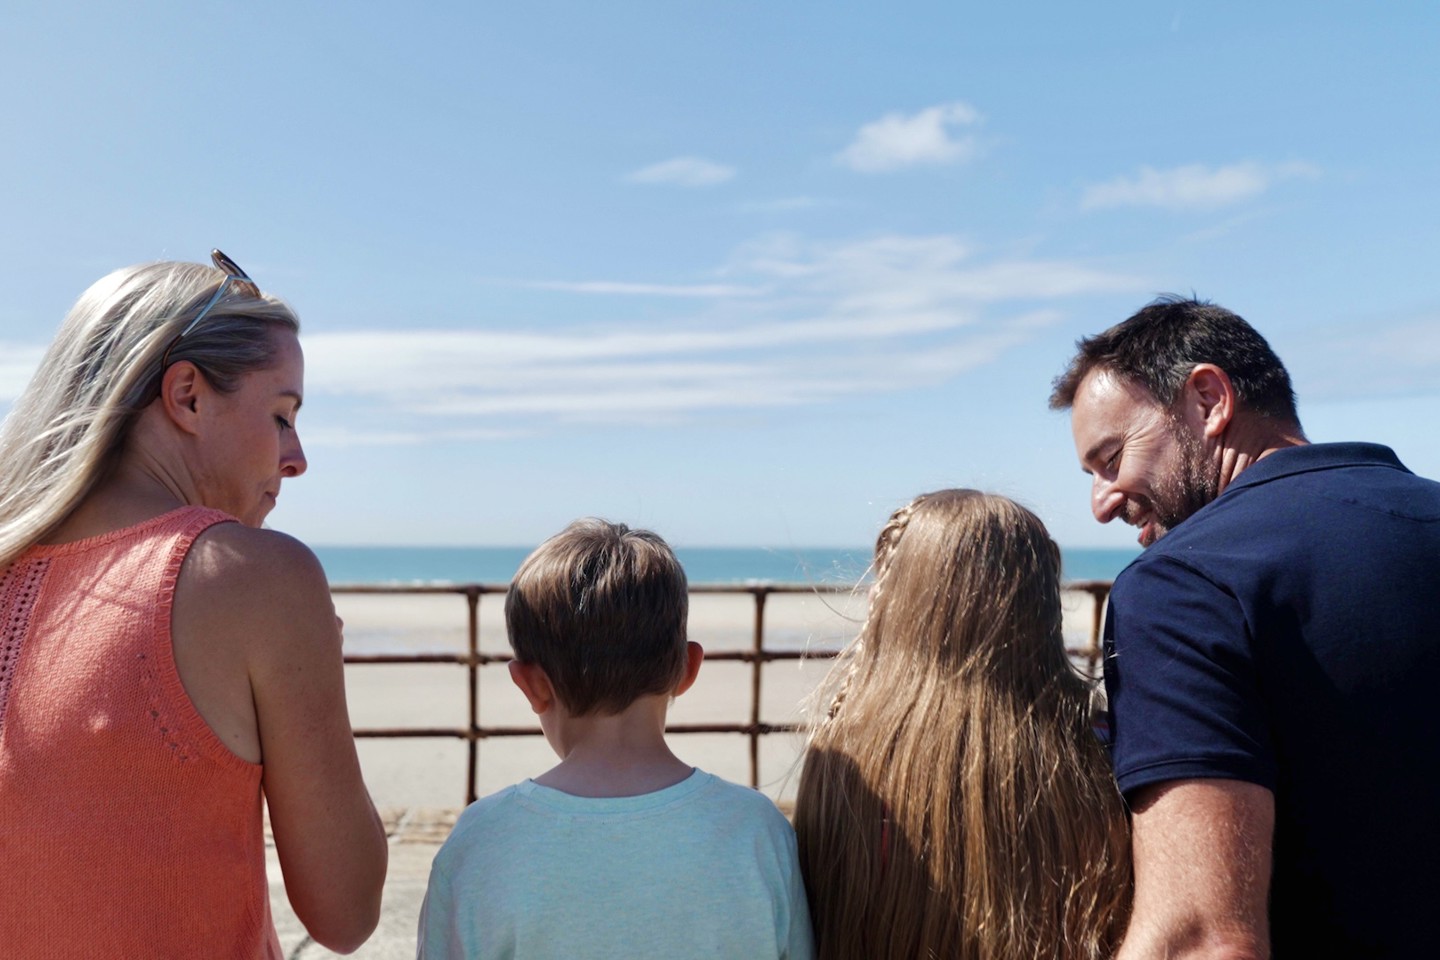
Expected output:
(747, 273)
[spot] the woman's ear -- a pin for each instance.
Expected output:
(694, 656)
(180, 389)
(533, 682)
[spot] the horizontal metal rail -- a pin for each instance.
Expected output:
(757, 656)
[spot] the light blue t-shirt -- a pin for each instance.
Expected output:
(703, 869)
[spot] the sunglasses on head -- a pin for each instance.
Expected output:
(233, 276)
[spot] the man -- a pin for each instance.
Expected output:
(1271, 657)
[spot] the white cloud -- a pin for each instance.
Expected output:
(898, 140)
(1194, 186)
(439, 379)
(891, 273)
(829, 320)
(395, 364)
(684, 172)
(1391, 357)
(360, 436)
(819, 322)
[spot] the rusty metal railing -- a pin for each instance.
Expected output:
(757, 656)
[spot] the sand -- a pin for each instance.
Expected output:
(431, 772)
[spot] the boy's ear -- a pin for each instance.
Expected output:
(533, 682)
(694, 656)
(180, 389)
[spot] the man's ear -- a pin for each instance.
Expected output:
(180, 389)
(1208, 399)
(694, 656)
(533, 682)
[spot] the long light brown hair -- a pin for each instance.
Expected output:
(954, 800)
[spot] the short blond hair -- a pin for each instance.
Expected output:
(601, 608)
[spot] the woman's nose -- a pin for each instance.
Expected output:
(292, 461)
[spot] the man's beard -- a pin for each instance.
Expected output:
(1192, 484)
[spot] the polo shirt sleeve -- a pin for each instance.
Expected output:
(1180, 676)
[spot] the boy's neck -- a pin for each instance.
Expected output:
(620, 755)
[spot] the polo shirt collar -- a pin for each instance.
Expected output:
(1310, 457)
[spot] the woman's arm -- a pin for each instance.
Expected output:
(269, 598)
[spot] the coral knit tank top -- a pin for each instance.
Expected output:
(127, 828)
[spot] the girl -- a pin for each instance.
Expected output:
(954, 801)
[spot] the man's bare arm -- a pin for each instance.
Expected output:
(1202, 852)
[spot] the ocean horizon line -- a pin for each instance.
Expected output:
(417, 566)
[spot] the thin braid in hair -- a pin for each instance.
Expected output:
(885, 546)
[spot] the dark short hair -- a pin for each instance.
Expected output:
(601, 609)
(1160, 345)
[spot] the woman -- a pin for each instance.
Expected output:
(162, 665)
(954, 802)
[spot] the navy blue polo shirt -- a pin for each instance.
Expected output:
(1288, 635)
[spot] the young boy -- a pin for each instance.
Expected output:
(621, 850)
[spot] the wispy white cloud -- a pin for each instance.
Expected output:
(1192, 187)
(333, 435)
(684, 172)
(830, 320)
(702, 290)
(393, 363)
(820, 322)
(1391, 357)
(1218, 230)
(481, 381)
(899, 140)
(891, 273)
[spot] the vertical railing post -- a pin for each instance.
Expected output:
(1098, 595)
(472, 598)
(757, 666)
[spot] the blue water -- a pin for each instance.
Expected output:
(729, 565)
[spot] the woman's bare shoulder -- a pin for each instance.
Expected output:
(243, 576)
(238, 556)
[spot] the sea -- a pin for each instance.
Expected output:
(710, 565)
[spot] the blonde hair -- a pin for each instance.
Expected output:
(954, 800)
(601, 608)
(68, 428)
